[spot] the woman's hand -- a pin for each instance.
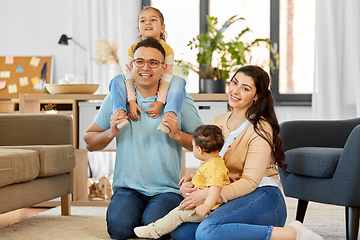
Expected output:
(193, 199)
(187, 188)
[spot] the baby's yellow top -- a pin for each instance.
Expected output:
(213, 172)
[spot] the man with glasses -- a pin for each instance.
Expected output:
(148, 162)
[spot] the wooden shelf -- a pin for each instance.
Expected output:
(9, 106)
(209, 97)
(93, 203)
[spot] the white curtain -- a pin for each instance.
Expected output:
(115, 20)
(337, 60)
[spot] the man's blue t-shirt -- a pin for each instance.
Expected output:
(147, 160)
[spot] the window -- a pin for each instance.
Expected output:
(289, 24)
(293, 29)
(257, 19)
(181, 25)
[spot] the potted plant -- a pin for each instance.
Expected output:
(218, 59)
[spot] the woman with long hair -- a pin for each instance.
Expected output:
(254, 206)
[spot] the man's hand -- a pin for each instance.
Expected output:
(155, 110)
(170, 120)
(117, 117)
(133, 110)
(97, 139)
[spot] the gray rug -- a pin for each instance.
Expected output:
(89, 223)
(84, 223)
(326, 220)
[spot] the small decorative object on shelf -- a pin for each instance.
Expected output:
(99, 190)
(106, 53)
(72, 88)
(49, 108)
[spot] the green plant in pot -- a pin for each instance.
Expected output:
(227, 56)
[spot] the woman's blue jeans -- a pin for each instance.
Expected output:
(174, 99)
(129, 209)
(250, 217)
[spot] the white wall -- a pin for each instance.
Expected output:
(34, 28)
(286, 113)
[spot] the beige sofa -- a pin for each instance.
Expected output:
(37, 158)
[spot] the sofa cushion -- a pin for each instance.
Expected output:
(54, 159)
(313, 161)
(18, 165)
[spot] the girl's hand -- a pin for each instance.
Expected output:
(155, 110)
(201, 210)
(186, 178)
(133, 110)
(193, 199)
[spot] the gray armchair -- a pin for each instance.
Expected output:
(323, 160)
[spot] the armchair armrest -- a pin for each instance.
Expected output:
(349, 163)
(316, 133)
(35, 129)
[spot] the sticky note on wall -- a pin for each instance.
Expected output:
(9, 60)
(4, 74)
(2, 84)
(35, 80)
(24, 81)
(12, 88)
(34, 61)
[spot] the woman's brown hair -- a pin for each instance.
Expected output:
(263, 110)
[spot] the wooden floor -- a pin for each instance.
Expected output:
(10, 218)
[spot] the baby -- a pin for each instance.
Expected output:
(213, 174)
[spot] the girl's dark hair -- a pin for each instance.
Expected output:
(163, 35)
(152, 43)
(209, 138)
(263, 110)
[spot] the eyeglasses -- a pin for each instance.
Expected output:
(152, 63)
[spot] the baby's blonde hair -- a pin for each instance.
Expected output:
(163, 35)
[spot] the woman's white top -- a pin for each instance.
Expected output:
(266, 181)
(230, 139)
